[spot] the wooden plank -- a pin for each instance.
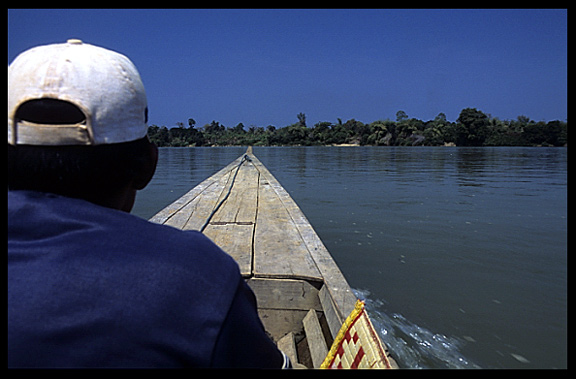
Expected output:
(283, 303)
(279, 250)
(285, 294)
(177, 213)
(232, 225)
(278, 322)
(194, 214)
(236, 240)
(205, 188)
(288, 346)
(242, 201)
(331, 313)
(316, 341)
(211, 202)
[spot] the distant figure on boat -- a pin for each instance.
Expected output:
(90, 285)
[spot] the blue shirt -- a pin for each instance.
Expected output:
(90, 286)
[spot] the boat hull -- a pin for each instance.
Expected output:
(303, 297)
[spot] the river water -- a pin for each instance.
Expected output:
(460, 253)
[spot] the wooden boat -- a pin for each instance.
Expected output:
(303, 298)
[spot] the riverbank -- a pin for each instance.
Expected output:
(473, 128)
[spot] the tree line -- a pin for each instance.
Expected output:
(472, 128)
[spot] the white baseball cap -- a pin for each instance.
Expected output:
(103, 84)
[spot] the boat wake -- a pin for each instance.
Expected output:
(413, 346)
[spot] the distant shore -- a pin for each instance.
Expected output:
(472, 128)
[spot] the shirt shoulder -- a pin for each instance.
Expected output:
(35, 217)
(131, 282)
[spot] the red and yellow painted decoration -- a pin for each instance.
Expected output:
(357, 345)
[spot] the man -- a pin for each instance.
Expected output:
(90, 285)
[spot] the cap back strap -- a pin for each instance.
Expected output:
(29, 133)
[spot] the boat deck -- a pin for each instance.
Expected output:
(245, 211)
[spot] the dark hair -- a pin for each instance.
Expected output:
(75, 171)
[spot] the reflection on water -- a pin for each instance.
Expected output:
(460, 252)
(471, 164)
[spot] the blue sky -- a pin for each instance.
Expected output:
(262, 67)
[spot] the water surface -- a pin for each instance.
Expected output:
(461, 253)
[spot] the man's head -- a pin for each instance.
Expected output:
(77, 124)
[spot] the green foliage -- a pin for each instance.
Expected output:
(472, 128)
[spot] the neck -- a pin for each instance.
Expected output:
(121, 200)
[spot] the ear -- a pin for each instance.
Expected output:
(147, 167)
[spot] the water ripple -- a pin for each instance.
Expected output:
(411, 345)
